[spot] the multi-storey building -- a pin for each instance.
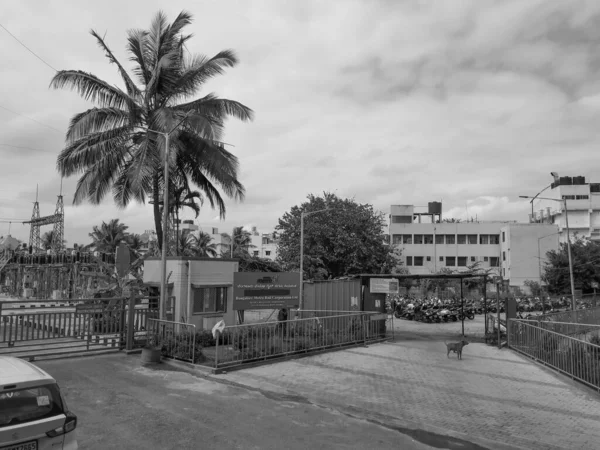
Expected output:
(265, 244)
(583, 207)
(507, 248)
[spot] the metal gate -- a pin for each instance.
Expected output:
(36, 329)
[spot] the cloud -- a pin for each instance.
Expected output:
(388, 102)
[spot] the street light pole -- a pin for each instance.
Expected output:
(302, 216)
(573, 305)
(564, 202)
(536, 196)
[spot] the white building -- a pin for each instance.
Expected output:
(264, 244)
(428, 244)
(583, 207)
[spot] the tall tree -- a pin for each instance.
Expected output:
(586, 266)
(107, 237)
(348, 239)
(111, 146)
(205, 246)
(241, 241)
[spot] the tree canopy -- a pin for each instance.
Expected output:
(347, 239)
(119, 145)
(586, 266)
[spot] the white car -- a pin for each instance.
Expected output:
(33, 412)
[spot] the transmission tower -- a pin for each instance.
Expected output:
(58, 233)
(34, 232)
(57, 219)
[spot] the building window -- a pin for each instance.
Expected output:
(409, 260)
(494, 239)
(439, 238)
(503, 256)
(472, 259)
(450, 239)
(461, 239)
(397, 239)
(441, 258)
(462, 261)
(418, 238)
(485, 259)
(503, 272)
(484, 239)
(401, 219)
(255, 252)
(568, 197)
(494, 261)
(428, 239)
(450, 261)
(429, 258)
(582, 197)
(418, 260)
(407, 238)
(472, 239)
(268, 253)
(210, 300)
(503, 236)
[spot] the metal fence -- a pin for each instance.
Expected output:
(240, 344)
(588, 316)
(573, 355)
(176, 340)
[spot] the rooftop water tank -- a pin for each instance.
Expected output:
(579, 180)
(434, 207)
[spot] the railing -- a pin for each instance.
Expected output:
(177, 340)
(240, 344)
(588, 316)
(574, 356)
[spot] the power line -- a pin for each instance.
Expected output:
(24, 148)
(36, 121)
(28, 49)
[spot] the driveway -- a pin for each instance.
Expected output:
(121, 405)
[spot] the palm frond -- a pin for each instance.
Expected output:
(132, 89)
(136, 47)
(95, 183)
(199, 68)
(218, 108)
(95, 120)
(92, 88)
(91, 149)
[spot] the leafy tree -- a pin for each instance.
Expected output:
(346, 240)
(586, 266)
(48, 239)
(249, 263)
(107, 237)
(534, 287)
(111, 146)
(205, 246)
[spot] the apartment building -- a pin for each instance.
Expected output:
(264, 244)
(583, 207)
(429, 243)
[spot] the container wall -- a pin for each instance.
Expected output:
(337, 295)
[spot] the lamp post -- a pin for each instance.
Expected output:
(163, 272)
(564, 202)
(536, 196)
(302, 216)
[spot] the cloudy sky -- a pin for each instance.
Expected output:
(391, 102)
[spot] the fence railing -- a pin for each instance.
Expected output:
(589, 316)
(176, 340)
(240, 344)
(572, 355)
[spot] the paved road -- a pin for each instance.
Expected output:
(492, 398)
(122, 405)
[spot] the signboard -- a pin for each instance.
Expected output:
(595, 285)
(123, 259)
(265, 290)
(383, 286)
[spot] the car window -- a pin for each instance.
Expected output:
(26, 405)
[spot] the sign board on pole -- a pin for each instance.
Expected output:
(384, 286)
(595, 285)
(265, 290)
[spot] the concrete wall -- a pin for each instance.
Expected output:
(520, 257)
(188, 274)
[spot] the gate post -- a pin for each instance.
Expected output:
(130, 321)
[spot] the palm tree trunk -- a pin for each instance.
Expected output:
(157, 218)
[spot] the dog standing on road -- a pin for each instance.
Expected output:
(455, 347)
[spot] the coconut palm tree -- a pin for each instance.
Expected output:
(242, 243)
(107, 237)
(111, 146)
(205, 246)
